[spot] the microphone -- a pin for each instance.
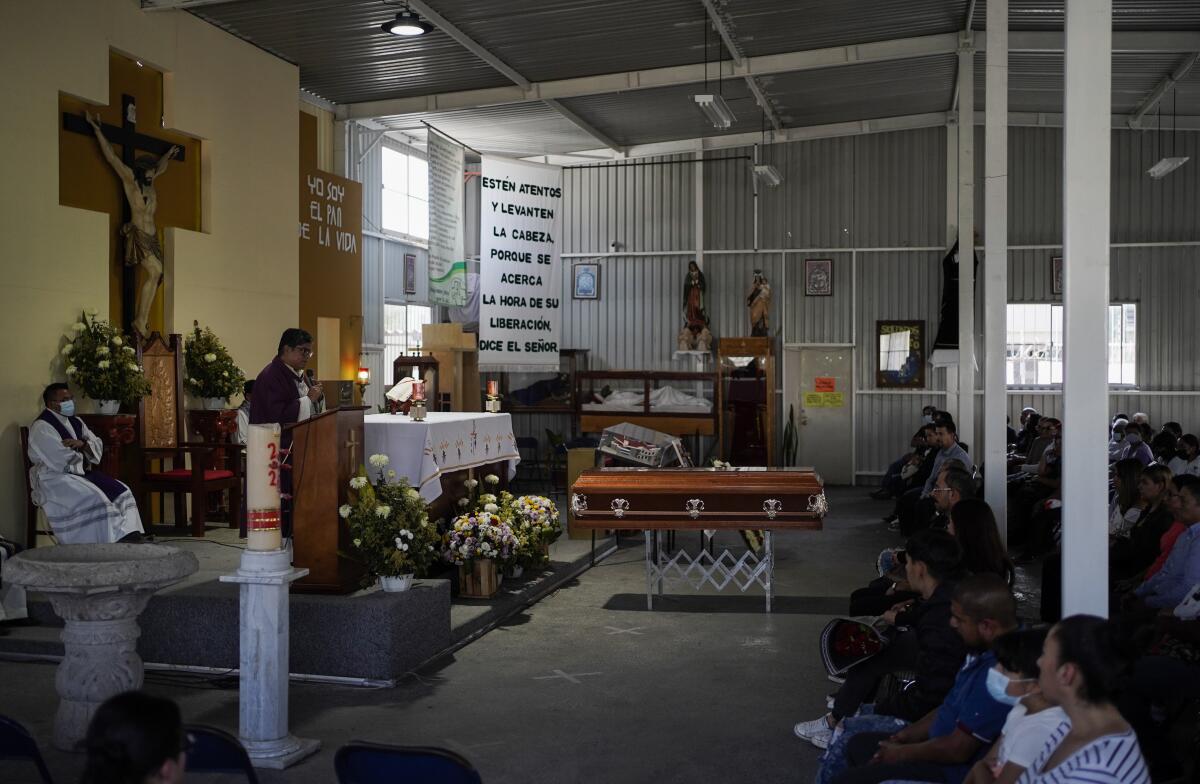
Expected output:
(318, 406)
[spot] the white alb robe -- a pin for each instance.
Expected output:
(79, 512)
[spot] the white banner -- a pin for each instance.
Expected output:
(519, 266)
(447, 264)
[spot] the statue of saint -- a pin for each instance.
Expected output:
(759, 303)
(694, 289)
(142, 247)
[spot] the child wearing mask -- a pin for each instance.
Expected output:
(1014, 681)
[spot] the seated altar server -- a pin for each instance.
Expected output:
(83, 505)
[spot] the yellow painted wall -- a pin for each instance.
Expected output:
(239, 275)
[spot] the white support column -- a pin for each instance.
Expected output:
(1086, 175)
(951, 182)
(966, 245)
(995, 264)
(699, 208)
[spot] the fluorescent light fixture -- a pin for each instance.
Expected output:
(767, 174)
(407, 24)
(715, 108)
(1166, 166)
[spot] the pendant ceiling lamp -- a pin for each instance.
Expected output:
(407, 24)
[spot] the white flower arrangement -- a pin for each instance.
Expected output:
(94, 369)
(389, 525)
(211, 371)
(129, 349)
(492, 479)
(491, 508)
(391, 474)
(378, 461)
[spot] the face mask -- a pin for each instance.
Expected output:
(1134, 438)
(927, 419)
(997, 686)
(67, 408)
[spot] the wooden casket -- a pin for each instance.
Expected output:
(698, 498)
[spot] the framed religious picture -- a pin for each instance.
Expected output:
(1056, 275)
(410, 273)
(818, 277)
(901, 354)
(586, 281)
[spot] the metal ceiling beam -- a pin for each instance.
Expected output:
(763, 65)
(854, 128)
(510, 73)
(735, 52)
(586, 126)
(1156, 95)
(467, 42)
(171, 5)
(880, 51)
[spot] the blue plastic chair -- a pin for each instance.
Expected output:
(212, 750)
(376, 763)
(17, 744)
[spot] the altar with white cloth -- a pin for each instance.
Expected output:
(444, 442)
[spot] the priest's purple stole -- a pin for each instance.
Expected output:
(111, 488)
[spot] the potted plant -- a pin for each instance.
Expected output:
(212, 375)
(476, 543)
(103, 364)
(389, 527)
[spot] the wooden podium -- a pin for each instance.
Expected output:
(327, 450)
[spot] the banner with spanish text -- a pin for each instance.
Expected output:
(447, 264)
(519, 266)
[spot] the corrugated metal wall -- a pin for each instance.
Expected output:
(843, 199)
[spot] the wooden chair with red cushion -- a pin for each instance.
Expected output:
(161, 426)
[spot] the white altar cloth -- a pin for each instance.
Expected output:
(446, 441)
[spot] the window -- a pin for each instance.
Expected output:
(402, 331)
(1035, 344)
(405, 193)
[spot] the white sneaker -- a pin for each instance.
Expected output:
(817, 732)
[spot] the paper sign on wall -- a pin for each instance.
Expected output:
(519, 267)
(825, 384)
(824, 399)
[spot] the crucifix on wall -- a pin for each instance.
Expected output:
(156, 183)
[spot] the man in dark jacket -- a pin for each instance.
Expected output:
(930, 647)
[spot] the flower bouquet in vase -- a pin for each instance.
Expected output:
(212, 375)
(103, 364)
(536, 523)
(477, 543)
(389, 527)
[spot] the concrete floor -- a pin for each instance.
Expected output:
(586, 685)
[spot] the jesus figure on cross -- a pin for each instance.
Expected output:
(142, 247)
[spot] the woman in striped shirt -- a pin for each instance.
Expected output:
(1081, 661)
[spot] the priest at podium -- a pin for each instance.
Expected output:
(283, 394)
